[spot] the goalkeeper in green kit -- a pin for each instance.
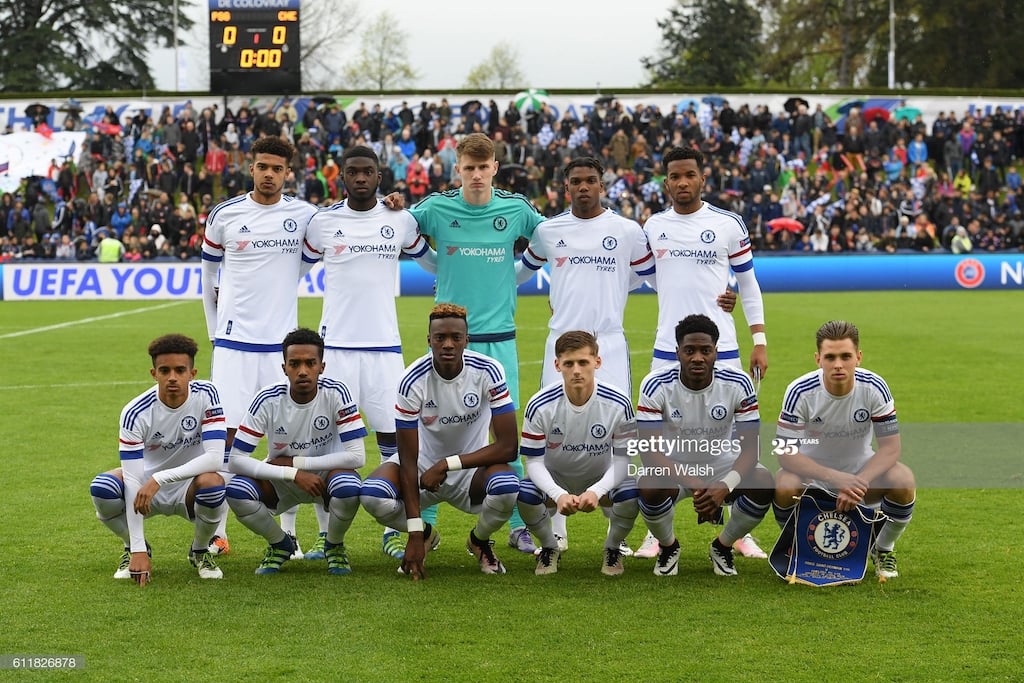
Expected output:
(474, 230)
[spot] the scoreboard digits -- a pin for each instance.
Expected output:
(254, 47)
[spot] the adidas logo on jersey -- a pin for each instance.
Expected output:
(280, 430)
(676, 414)
(561, 243)
(817, 420)
(244, 229)
(556, 431)
(339, 234)
(158, 435)
(430, 403)
(454, 224)
(662, 236)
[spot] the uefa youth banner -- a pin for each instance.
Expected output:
(182, 280)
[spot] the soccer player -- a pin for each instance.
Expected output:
(698, 424)
(695, 245)
(315, 445)
(447, 401)
(831, 414)
(254, 243)
(593, 251)
(575, 435)
(172, 444)
(359, 241)
(475, 229)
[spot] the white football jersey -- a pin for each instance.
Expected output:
(836, 431)
(360, 252)
(259, 250)
(305, 430)
(165, 438)
(453, 416)
(590, 262)
(698, 425)
(577, 442)
(693, 254)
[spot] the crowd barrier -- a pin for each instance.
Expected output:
(824, 273)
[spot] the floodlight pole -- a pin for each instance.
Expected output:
(892, 45)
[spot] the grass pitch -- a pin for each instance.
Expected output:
(953, 614)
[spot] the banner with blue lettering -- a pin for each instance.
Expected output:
(176, 279)
(820, 546)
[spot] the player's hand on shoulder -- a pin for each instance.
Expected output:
(395, 201)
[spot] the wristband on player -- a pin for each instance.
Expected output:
(454, 463)
(414, 524)
(760, 339)
(731, 480)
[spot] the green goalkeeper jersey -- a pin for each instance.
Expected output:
(475, 255)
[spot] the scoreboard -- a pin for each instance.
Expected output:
(254, 47)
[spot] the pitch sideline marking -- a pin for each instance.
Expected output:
(93, 319)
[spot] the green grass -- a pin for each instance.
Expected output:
(953, 614)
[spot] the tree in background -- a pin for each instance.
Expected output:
(499, 71)
(383, 62)
(82, 43)
(707, 43)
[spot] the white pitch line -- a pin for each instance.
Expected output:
(83, 321)
(71, 385)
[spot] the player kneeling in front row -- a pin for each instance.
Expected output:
(172, 444)
(447, 401)
(698, 425)
(831, 414)
(314, 443)
(575, 435)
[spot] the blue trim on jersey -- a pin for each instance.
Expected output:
(728, 374)
(665, 355)
(797, 390)
(729, 355)
(617, 396)
(211, 257)
(423, 250)
(217, 209)
(221, 434)
(532, 452)
(645, 273)
(665, 376)
(530, 265)
(553, 394)
(244, 446)
(309, 260)
(414, 373)
(143, 404)
(489, 366)
(267, 394)
(874, 380)
(131, 455)
(492, 337)
(207, 388)
(744, 267)
(501, 410)
(337, 385)
(247, 346)
(360, 433)
(377, 349)
(406, 424)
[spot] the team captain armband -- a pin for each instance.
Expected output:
(887, 425)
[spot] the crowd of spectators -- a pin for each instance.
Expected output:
(883, 184)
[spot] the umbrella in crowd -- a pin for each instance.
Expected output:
(323, 99)
(604, 100)
(37, 112)
(845, 107)
(792, 103)
(687, 103)
(72, 106)
(875, 114)
(909, 113)
(790, 224)
(531, 99)
(715, 101)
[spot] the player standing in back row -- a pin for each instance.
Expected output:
(695, 245)
(475, 229)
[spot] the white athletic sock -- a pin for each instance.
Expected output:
(256, 516)
(621, 518)
(288, 520)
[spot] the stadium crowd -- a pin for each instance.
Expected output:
(883, 184)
